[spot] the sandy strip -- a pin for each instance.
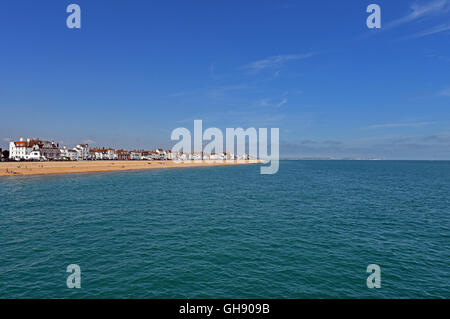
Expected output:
(43, 168)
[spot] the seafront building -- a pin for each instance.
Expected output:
(19, 149)
(71, 155)
(41, 150)
(123, 155)
(34, 149)
(102, 154)
(82, 150)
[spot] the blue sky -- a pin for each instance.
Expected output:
(138, 69)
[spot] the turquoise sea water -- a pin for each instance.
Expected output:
(309, 231)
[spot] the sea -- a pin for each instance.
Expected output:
(309, 231)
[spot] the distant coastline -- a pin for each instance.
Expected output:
(45, 168)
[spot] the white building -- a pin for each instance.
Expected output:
(96, 154)
(196, 156)
(73, 155)
(214, 156)
(227, 156)
(243, 157)
(102, 154)
(183, 156)
(19, 150)
(64, 153)
(33, 150)
(135, 155)
(83, 151)
(35, 156)
(161, 153)
(110, 154)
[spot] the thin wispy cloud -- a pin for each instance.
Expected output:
(272, 103)
(276, 61)
(438, 139)
(283, 102)
(434, 30)
(445, 92)
(441, 57)
(6, 139)
(264, 102)
(394, 125)
(421, 10)
(417, 11)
